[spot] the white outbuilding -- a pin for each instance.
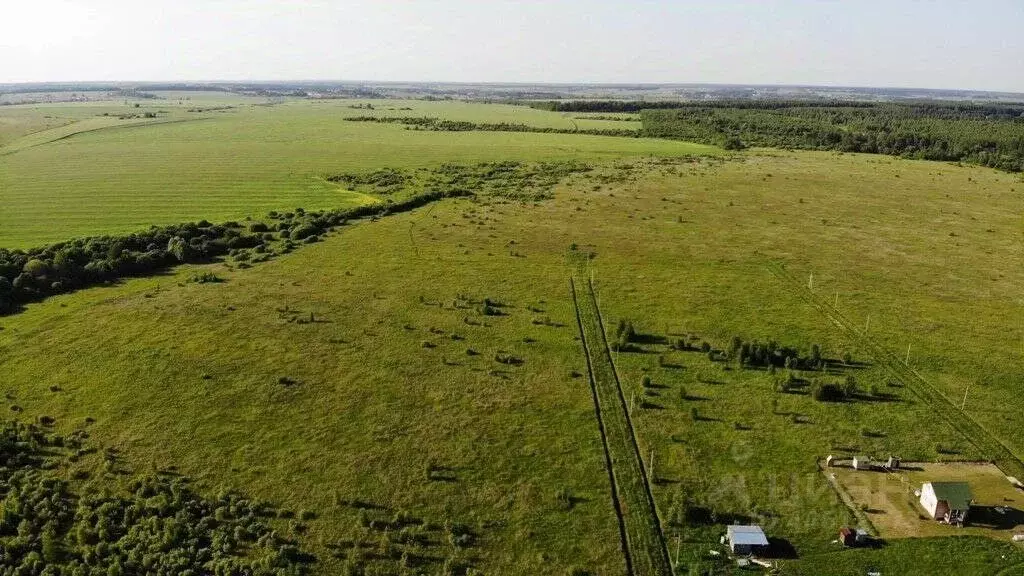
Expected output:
(745, 540)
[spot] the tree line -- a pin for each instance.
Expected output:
(33, 274)
(987, 134)
(29, 275)
(439, 125)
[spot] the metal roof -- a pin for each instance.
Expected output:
(956, 494)
(747, 535)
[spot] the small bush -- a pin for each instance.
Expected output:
(827, 392)
(304, 231)
(564, 498)
(205, 278)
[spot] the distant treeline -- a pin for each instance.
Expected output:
(439, 125)
(604, 105)
(986, 134)
(921, 108)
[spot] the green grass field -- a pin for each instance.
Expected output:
(393, 395)
(249, 160)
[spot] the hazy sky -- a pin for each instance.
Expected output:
(935, 44)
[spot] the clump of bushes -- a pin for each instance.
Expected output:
(150, 525)
(827, 391)
(205, 278)
(771, 354)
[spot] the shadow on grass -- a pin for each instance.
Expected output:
(780, 548)
(995, 517)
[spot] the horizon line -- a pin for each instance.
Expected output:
(214, 82)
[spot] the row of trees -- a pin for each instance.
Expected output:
(990, 135)
(27, 275)
(439, 125)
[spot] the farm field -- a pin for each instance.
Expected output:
(226, 164)
(429, 364)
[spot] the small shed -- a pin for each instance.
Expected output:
(847, 536)
(861, 463)
(946, 501)
(745, 540)
(893, 463)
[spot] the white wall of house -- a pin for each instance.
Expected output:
(929, 501)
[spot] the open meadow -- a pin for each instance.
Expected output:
(417, 390)
(225, 161)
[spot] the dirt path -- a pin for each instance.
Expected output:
(639, 525)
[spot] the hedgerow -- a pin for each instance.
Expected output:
(34, 274)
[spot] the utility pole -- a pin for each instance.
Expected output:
(631, 396)
(678, 543)
(867, 324)
(810, 282)
(963, 406)
(836, 303)
(907, 361)
(650, 472)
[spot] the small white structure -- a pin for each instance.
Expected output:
(946, 501)
(745, 540)
(861, 463)
(893, 463)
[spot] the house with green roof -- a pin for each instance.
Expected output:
(947, 502)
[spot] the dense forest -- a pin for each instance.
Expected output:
(986, 134)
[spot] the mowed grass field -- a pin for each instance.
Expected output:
(227, 164)
(375, 400)
(896, 510)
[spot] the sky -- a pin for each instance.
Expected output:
(952, 44)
